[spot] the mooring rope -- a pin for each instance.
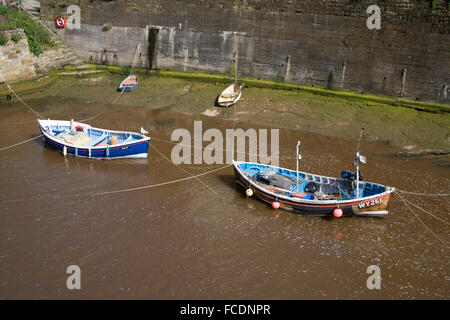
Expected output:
(185, 171)
(120, 94)
(26, 105)
(28, 140)
(41, 117)
(424, 194)
(18, 123)
(198, 147)
(429, 229)
(162, 183)
(132, 67)
(426, 212)
(19, 143)
(29, 108)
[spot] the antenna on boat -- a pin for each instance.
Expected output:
(235, 65)
(359, 158)
(298, 158)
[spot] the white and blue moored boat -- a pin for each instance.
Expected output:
(82, 140)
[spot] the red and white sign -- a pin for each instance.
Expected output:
(60, 22)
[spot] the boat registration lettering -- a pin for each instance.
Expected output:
(123, 148)
(369, 203)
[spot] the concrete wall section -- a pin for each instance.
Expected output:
(114, 46)
(316, 42)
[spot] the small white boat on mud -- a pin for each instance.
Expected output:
(230, 95)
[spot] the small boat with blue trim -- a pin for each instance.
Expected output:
(82, 140)
(307, 193)
(129, 83)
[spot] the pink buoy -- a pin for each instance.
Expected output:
(337, 212)
(276, 204)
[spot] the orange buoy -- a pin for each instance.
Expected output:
(275, 204)
(337, 212)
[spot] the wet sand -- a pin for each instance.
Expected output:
(183, 241)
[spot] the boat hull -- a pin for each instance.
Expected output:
(127, 85)
(127, 89)
(375, 206)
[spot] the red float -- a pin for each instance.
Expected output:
(275, 204)
(337, 212)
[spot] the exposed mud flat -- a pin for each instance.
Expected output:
(184, 241)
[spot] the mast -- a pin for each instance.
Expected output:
(235, 65)
(298, 158)
(357, 163)
(357, 173)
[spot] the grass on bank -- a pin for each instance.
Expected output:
(12, 18)
(276, 85)
(369, 99)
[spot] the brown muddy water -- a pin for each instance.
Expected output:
(183, 241)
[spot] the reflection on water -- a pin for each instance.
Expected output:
(184, 241)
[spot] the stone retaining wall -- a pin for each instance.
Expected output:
(16, 61)
(325, 43)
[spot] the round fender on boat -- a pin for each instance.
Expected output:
(275, 204)
(249, 192)
(311, 187)
(337, 212)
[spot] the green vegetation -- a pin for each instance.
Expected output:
(62, 3)
(31, 85)
(3, 38)
(348, 95)
(368, 99)
(435, 3)
(38, 38)
(16, 37)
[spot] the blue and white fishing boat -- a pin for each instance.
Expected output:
(307, 193)
(82, 140)
(129, 83)
(313, 194)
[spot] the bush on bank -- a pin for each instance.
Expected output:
(38, 38)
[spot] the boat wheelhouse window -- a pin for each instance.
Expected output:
(331, 180)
